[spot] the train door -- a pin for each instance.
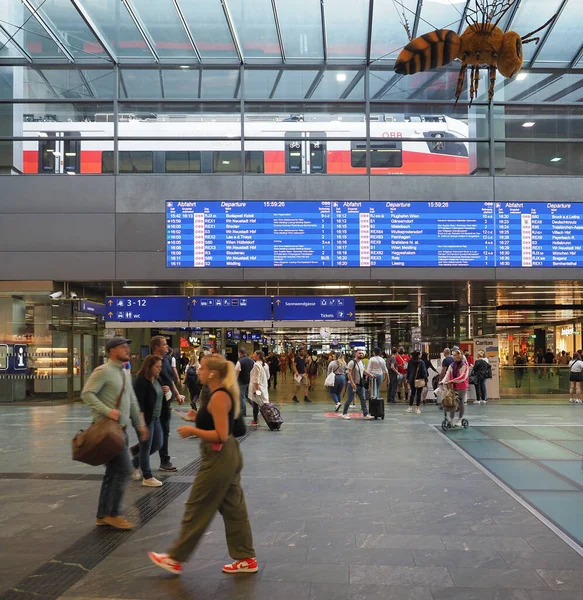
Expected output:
(58, 154)
(305, 152)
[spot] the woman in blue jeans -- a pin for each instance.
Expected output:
(338, 367)
(150, 397)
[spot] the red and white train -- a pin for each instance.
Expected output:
(285, 145)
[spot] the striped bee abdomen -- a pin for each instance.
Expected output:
(428, 51)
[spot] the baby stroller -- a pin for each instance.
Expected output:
(450, 402)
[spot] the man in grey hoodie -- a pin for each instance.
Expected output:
(101, 392)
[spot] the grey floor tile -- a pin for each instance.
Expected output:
(405, 576)
(383, 540)
(486, 543)
(477, 594)
(542, 595)
(563, 580)
(305, 573)
(368, 592)
(458, 558)
(542, 560)
(497, 578)
(256, 589)
(360, 556)
(548, 543)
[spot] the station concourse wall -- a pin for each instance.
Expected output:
(86, 228)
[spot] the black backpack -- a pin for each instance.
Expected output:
(192, 381)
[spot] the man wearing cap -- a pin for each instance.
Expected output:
(101, 393)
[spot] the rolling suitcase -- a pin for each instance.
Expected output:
(272, 416)
(376, 405)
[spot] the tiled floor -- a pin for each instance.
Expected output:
(542, 463)
(340, 510)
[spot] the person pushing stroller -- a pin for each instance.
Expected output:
(457, 376)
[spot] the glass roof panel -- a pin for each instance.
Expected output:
(115, 22)
(6, 82)
(101, 82)
(388, 33)
(301, 29)
(440, 14)
(565, 38)
(181, 83)
(66, 23)
(34, 38)
(333, 85)
(255, 25)
(259, 83)
(67, 83)
(346, 29)
(165, 29)
(294, 84)
(36, 86)
(140, 83)
(207, 23)
(7, 47)
(531, 15)
(220, 84)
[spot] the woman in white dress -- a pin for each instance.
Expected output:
(258, 383)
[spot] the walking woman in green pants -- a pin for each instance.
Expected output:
(218, 482)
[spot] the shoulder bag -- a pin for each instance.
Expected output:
(419, 383)
(330, 379)
(101, 441)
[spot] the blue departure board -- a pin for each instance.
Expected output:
(230, 308)
(539, 234)
(314, 308)
(373, 234)
(146, 308)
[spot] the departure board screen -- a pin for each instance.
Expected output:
(539, 234)
(373, 234)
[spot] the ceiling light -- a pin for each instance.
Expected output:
(184, 67)
(59, 154)
(330, 287)
(42, 134)
(443, 301)
(521, 76)
(341, 77)
(70, 154)
(70, 172)
(528, 124)
(140, 287)
(556, 159)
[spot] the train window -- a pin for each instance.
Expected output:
(441, 144)
(254, 162)
(317, 157)
(129, 162)
(229, 161)
(183, 162)
(47, 156)
(294, 156)
(383, 155)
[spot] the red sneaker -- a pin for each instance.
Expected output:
(166, 563)
(246, 565)
(253, 423)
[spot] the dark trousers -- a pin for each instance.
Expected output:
(114, 484)
(217, 487)
(255, 411)
(392, 386)
(480, 390)
(273, 379)
(415, 395)
(165, 423)
(146, 448)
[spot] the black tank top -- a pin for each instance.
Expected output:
(204, 419)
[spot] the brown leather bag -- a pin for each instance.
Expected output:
(101, 441)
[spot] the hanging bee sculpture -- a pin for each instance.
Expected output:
(482, 45)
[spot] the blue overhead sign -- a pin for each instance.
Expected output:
(146, 308)
(314, 308)
(230, 308)
(94, 308)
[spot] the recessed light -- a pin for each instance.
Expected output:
(528, 124)
(184, 67)
(521, 76)
(556, 159)
(341, 77)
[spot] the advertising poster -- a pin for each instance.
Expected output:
(490, 347)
